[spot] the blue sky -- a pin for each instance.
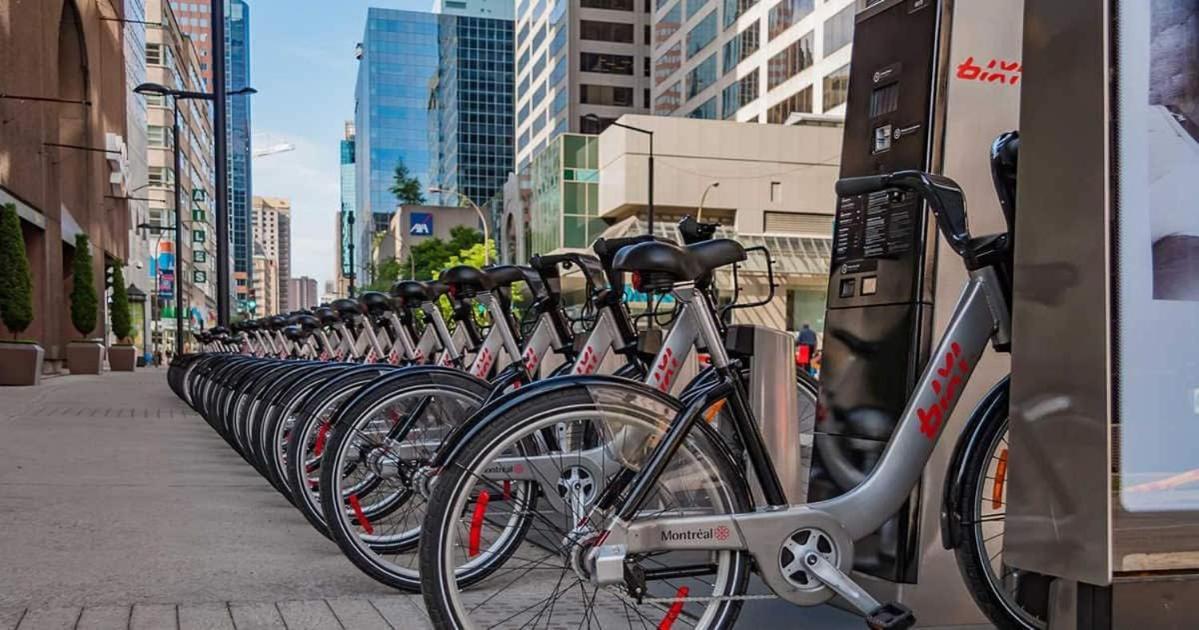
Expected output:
(302, 63)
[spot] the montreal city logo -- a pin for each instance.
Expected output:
(711, 533)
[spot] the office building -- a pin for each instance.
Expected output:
(60, 191)
(194, 19)
(397, 58)
(272, 230)
(412, 224)
(141, 241)
(575, 59)
(345, 264)
(302, 293)
(564, 202)
(470, 108)
(750, 60)
(173, 57)
(265, 289)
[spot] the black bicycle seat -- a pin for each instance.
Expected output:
(660, 263)
(295, 333)
(346, 307)
(466, 281)
(326, 315)
(275, 322)
(375, 302)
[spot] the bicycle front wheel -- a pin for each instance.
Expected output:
(502, 545)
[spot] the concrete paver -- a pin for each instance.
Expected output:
(153, 616)
(208, 616)
(357, 613)
(308, 615)
(62, 617)
(256, 616)
(107, 617)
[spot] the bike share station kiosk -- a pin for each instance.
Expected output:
(1102, 466)
(932, 84)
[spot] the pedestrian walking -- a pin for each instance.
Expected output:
(806, 339)
(158, 358)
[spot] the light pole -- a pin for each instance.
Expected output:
(176, 96)
(353, 263)
(482, 217)
(699, 212)
(592, 118)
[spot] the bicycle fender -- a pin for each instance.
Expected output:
(995, 402)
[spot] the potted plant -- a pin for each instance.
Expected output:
(84, 356)
(122, 356)
(20, 359)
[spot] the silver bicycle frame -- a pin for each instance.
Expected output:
(980, 315)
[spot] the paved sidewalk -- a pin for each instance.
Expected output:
(121, 508)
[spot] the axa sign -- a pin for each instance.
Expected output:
(420, 224)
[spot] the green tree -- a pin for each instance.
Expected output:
(83, 289)
(121, 325)
(463, 237)
(406, 187)
(16, 284)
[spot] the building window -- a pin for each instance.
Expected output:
(838, 30)
(154, 54)
(158, 137)
(739, 94)
(701, 76)
(701, 34)
(669, 24)
(800, 102)
(611, 5)
(606, 31)
(706, 110)
(789, 62)
(836, 87)
(693, 8)
(668, 63)
(588, 125)
(160, 176)
(606, 63)
(786, 13)
(743, 45)
(734, 8)
(645, 66)
(669, 100)
(613, 95)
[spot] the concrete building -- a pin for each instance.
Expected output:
(564, 201)
(194, 19)
(412, 224)
(513, 223)
(302, 293)
(62, 150)
(172, 59)
(272, 230)
(265, 290)
(574, 59)
(766, 185)
(751, 61)
(141, 242)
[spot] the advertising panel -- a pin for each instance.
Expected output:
(1155, 361)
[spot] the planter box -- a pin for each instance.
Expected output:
(122, 358)
(20, 363)
(85, 357)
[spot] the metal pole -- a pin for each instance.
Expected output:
(178, 236)
(651, 183)
(353, 261)
(220, 156)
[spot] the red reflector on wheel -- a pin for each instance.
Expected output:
(476, 523)
(363, 522)
(675, 609)
(321, 436)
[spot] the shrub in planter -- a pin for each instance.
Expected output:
(83, 357)
(122, 356)
(20, 361)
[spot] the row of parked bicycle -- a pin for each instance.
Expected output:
(565, 473)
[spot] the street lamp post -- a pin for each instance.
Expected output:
(353, 263)
(482, 217)
(699, 212)
(176, 96)
(592, 118)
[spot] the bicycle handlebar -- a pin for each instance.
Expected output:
(944, 197)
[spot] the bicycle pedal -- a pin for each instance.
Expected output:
(891, 616)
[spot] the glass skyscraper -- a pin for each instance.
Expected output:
(397, 59)
(470, 107)
(237, 59)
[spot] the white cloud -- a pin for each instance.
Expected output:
(310, 177)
